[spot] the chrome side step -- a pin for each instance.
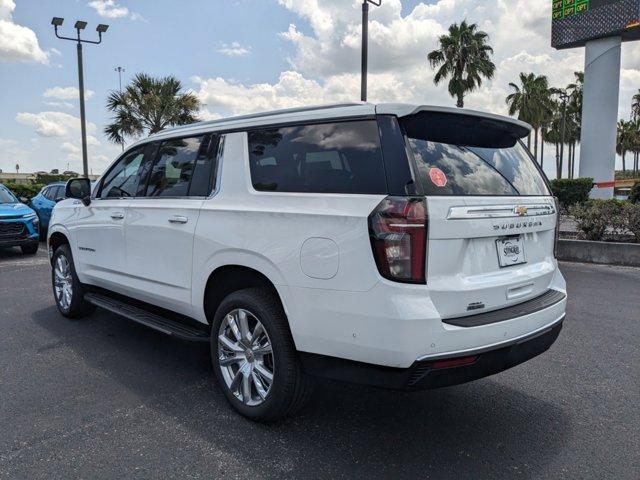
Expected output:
(148, 319)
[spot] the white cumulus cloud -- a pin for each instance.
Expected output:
(53, 124)
(234, 49)
(66, 93)
(111, 9)
(16, 41)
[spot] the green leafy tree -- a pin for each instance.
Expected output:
(463, 56)
(531, 101)
(147, 105)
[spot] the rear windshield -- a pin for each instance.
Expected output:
(472, 157)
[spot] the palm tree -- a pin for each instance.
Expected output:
(464, 58)
(635, 105)
(635, 144)
(531, 100)
(624, 140)
(148, 105)
(575, 92)
(553, 134)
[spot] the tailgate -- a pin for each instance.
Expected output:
(467, 238)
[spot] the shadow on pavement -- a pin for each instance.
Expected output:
(478, 430)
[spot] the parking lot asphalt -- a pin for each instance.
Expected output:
(105, 398)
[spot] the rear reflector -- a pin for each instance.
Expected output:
(454, 362)
(398, 231)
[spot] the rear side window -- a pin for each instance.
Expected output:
(172, 172)
(340, 157)
(204, 172)
(57, 192)
(48, 193)
(471, 156)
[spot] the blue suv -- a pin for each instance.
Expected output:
(19, 225)
(44, 202)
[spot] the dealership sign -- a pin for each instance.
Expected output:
(574, 22)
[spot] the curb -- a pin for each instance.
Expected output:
(610, 253)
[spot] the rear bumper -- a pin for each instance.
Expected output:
(435, 372)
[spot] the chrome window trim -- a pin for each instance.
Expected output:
(215, 190)
(500, 211)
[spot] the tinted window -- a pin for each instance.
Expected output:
(124, 178)
(448, 169)
(204, 171)
(47, 193)
(343, 157)
(57, 192)
(173, 169)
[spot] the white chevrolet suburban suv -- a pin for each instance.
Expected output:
(402, 246)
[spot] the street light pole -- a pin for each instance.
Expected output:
(365, 46)
(83, 119)
(80, 25)
(120, 71)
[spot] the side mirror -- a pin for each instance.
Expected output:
(79, 188)
(24, 200)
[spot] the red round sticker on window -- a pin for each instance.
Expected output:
(438, 177)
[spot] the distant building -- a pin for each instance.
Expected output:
(25, 178)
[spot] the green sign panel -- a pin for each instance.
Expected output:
(568, 8)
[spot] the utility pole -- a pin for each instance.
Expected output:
(80, 25)
(365, 46)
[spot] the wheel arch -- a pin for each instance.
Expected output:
(55, 240)
(226, 279)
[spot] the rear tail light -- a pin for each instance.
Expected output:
(398, 231)
(557, 230)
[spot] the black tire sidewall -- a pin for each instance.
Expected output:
(30, 249)
(269, 312)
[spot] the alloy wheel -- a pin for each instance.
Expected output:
(245, 356)
(63, 283)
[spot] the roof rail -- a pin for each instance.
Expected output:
(258, 115)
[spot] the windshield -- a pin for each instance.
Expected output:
(6, 196)
(465, 156)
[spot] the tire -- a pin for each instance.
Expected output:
(72, 305)
(289, 387)
(30, 249)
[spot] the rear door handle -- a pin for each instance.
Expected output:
(178, 219)
(117, 215)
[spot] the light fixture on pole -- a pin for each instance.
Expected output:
(79, 26)
(365, 45)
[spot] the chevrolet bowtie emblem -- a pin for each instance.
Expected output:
(521, 210)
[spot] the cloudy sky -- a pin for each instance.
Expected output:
(246, 55)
